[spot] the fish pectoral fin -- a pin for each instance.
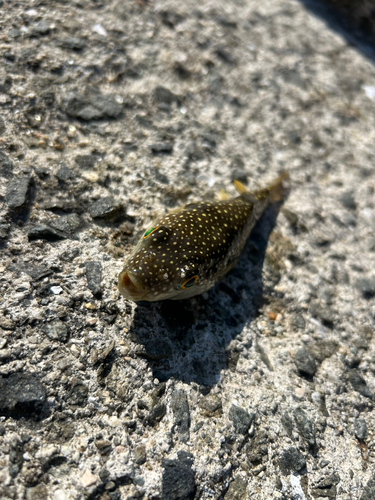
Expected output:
(229, 267)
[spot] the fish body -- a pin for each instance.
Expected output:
(186, 252)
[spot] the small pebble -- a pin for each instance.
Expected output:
(88, 479)
(17, 190)
(59, 495)
(105, 208)
(369, 91)
(359, 384)
(98, 28)
(360, 428)
(57, 330)
(240, 418)
(366, 286)
(305, 362)
(21, 392)
(291, 460)
(348, 201)
(94, 277)
(237, 489)
(178, 477)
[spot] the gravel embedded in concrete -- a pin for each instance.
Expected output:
(115, 112)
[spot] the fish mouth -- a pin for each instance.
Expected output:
(129, 286)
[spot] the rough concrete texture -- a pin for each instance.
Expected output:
(263, 388)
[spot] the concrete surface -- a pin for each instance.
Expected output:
(112, 112)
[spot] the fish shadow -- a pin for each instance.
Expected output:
(188, 339)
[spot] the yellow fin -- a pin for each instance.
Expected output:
(223, 195)
(273, 193)
(277, 190)
(240, 188)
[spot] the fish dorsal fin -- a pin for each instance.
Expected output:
(223, 195)
(242, 191)
(175, 210)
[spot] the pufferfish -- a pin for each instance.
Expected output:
(187, 251)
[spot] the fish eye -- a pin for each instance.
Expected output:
(188, 283)
(150, 231)
(158, 234)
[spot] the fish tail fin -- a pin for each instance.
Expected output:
(271, 194)
(278, 189)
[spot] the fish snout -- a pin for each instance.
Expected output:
(129, 286)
